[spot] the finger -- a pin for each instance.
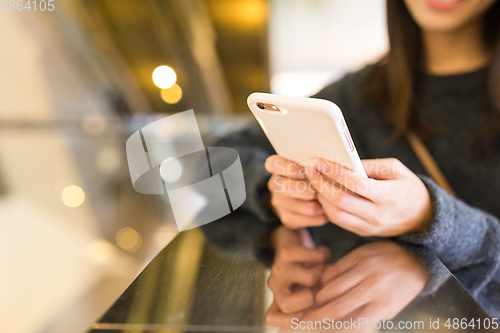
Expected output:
(300, 254)
(299, 189)
(384, 168)
(287, 275)
(303, 207)
(342, 306)
(349, 179)
(276, 318)
(339, 268)
(339, 286)
(338, 197)
(295, 221)
(279, 166)
(344, 219)
(295, 302)
(354, 315)
(375, 312)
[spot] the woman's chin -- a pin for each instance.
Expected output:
(442, 24)
(446, 15)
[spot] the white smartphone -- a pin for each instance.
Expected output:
(303, 129)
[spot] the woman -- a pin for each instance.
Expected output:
(440, 80)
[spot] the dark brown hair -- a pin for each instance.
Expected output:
(391, 84)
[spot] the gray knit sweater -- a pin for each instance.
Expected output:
(465, 232)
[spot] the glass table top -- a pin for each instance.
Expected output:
(240, 275)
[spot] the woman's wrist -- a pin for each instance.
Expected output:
(426, 220)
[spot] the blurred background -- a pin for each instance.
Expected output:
(76, 81)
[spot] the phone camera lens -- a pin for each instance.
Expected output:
(261, 106)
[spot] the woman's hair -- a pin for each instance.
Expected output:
(391, 84)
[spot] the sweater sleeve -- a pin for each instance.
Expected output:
(467, 241)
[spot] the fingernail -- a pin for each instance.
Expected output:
(309, 173)
(320, 165)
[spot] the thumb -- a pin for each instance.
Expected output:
(383, 168)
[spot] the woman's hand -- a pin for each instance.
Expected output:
(374, 282)
(292, 197)
(393, 201)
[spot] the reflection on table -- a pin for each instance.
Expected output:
(215, 279)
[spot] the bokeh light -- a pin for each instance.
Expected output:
(72, 196)
(246, 15)
(164, 77)
(171, 95)
(128, 239)
(171, 170)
